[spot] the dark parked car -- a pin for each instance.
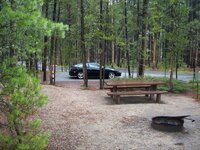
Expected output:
(93, 70)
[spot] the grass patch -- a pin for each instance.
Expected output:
(178, 85)
(195, 86)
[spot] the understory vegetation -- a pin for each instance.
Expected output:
(40, 35)
(20, 98)
(178, 85)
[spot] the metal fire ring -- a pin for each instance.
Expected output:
(167, 123)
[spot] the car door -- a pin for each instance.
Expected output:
(93, 70)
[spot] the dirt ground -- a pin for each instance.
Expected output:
(90, 120)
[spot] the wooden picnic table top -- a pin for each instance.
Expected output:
(132, 82)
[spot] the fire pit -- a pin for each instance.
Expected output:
(169, 123)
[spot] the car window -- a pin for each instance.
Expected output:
(79, 65)
(95, 66)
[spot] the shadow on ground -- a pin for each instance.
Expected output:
(131, 100)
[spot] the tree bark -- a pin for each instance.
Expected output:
(150, 51)
(85, 78)
(126, 38)
(143, 46)
(52, 52)
(101, 44)
(195, 61)
(171, 76)
(57, 19)
(44, 60)
(155, 50)
(113, 43)
(13, 31)
(138, 33)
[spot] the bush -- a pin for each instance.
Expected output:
(19, 98)
(180, 86)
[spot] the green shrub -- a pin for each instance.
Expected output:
(19, 98)
(180, 86)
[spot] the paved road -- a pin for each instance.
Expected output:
(64, 76)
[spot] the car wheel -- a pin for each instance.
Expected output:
(111, 75)
(80, 75)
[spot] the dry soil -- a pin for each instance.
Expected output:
(90, 120)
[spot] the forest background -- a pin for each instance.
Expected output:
(132, 34)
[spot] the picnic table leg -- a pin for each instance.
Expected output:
(158, 97)
(153, 88)
(147, 89)
(111, 90)
(118, 99)
(114, 90)
(151, 96)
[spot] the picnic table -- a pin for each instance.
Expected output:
(150, 88)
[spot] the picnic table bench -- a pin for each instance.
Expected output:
(150, 88)
(118, 94)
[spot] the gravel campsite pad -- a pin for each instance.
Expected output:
(90, 120)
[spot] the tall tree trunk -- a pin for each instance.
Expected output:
(171, 48)
(192, 16)
(44, 60)
(59, 45)
(154, 50)
(177, 64)
(171, 78)
(113, 53)
(52, 52)
(143, 46)
(61, 57)
(126, 38)
(69, 33)
(138, 33)
(105, 50)
(32, 66)
(88, 55)
(85, 78)
(13, 31)
(51, 60)
(36, 64)
(150, 50)
(113, 43)
(56, 43)
(195, 60)
(101, 44)
(119, 63)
